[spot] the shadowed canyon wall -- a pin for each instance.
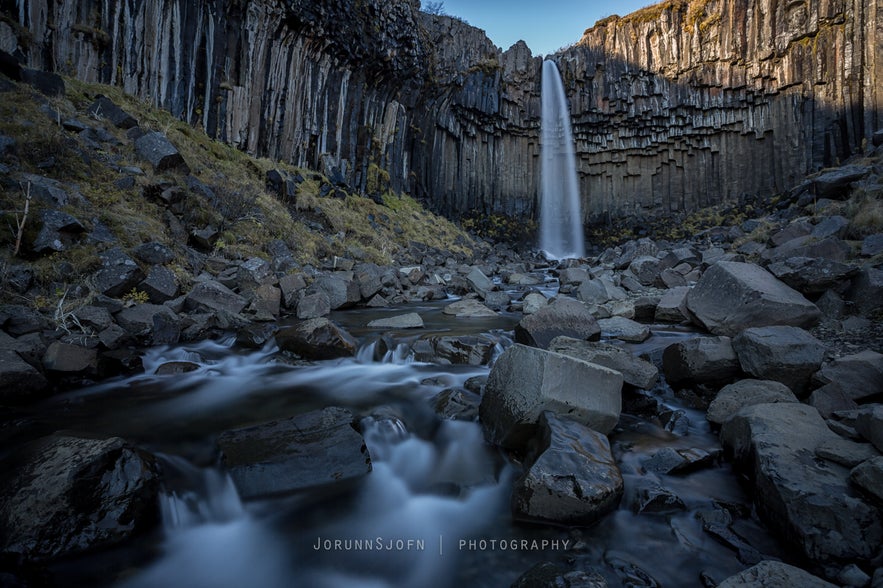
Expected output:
(681, 105)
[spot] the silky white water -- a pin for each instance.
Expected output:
(561, 233)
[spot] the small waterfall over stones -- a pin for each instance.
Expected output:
(561, 233)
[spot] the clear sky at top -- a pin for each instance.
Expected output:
(545, 25)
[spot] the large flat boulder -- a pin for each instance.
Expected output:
(312, 449)
(770, 574)
(812, 275)
(525, 381)
(118, 275)
(68, 494)
(785, 354)
(701, 360)
(571, 476)
(869, 424)
(732, 296)
(624, 329)
(317, 338)
(214, 296)
(732, 398)
(858, 375)
(635, 371)
(809, 502)
(563, 317)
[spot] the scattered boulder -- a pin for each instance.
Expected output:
(19, 380)
(731, 399)
(525, 381)
(154, 253)
(669, 460)
(291, 285)
(867, 290)
(118, 275)
(214, 296)
(846, 452)
(266, 303)
(138, 320)
(859, 375)
(809, 503)
(785, 354)
(672, 306)
(829, 399)
(533, 302)
(732, 296)
(812, 275)
(774, 573)
(463, 349)
(619, 327)
(868, 477)
(646, 269)
(653, 498)
(635, 371)
(869, 424)
(830, 248)
(313, 305)
(701, 360)
(317, 339)
(834, 184)
(69, 494)
(411, 320)
(341, 293)
(480, 282)
(57, 231)
(160, 284)
(571, 476)
(872, 245)
(563, 317)
(312, 449)
(104, 107)
(468, 308)
(70, 359)
(158, 151)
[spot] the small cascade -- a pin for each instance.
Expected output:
(561, 232)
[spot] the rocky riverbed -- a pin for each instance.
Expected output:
(699, 411)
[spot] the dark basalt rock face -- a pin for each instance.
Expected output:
(674, 107)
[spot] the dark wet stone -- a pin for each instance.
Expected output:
(563, 317)
(157, 150)
(313, 449)
(317, 339)
(104, 107)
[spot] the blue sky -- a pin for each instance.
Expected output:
(545, 25)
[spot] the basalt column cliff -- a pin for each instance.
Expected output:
(680, 105)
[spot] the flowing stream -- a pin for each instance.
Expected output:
(433, 512)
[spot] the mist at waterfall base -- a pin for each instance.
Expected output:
(561, 232)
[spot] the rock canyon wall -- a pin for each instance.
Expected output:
(681, 105)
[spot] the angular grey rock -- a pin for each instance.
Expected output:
(571, 476)
(646, 269)
(104, 107)
(846, 452)
(312, 449)
(526, 381)
(834, 184)
(118, 275)
(138, 320)
(573, 275)
(831, 226)
(72, 494)
(653, 498)
(158, 151)
(314, 305)
(829, 399)
(411, 320)
(669, 460)
(811, 275)
(519, 279)
(291, 285)
(785, 354)
(94, 317)
(869, 424)
(166, 329)
(214, 296)
(266, 303)
(635, 371)
(480, 282)
(67, 358)
(160, 284)
(872, 245)
(733, 296)
(672, 307)
(671, 279)
(253, 273)
(468, 308)
(859, 375)
(336, 289)
(369, 277)
(17, 319)
(809, 503)
(533, 301)
(619, 327)
(867, 290)
(868, 476)
(563, 317)
(496, 300)
(463, 349)
(19, 380)
(50, 191)
(57, 230)
(770, 574)
(154, 253)
(701, 360)
(317, 339)
(830, 248)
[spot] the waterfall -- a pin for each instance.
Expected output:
(561, 233)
